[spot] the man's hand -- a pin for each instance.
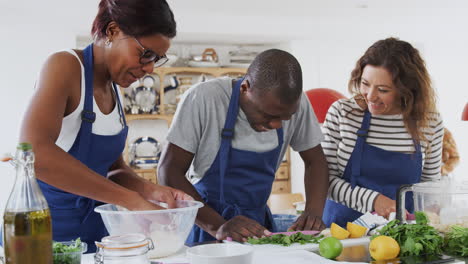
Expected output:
(384, 206)
(167, 195)
(308, 221)
(240, 228)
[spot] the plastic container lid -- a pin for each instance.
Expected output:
(445, 186)
(125, 245)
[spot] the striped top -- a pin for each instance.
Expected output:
(387, 132)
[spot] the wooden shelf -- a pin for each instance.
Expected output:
(282, 183)
(144, 170)
(131, 117)
(193, 70)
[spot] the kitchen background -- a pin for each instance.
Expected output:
(327, 36)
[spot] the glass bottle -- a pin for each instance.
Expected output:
(27, 227)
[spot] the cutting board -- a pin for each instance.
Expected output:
(311, 247)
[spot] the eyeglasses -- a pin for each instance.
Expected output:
(150, 56)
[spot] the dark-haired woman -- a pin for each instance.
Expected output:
(388, 134)
(76, 123)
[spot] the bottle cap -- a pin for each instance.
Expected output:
(24, 146)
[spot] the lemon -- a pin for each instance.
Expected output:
(338, 232)
(355, 230)
(330, 247)
(383, 248)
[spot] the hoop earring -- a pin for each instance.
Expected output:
(107, 42)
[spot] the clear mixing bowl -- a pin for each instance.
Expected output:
(168, 228)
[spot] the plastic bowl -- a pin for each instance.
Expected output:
(168, 229)
(220, 253)
(283, 221)
(70, 257)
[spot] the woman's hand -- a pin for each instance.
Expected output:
(167, 195)
(383, 205)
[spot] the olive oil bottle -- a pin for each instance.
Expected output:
(27, 227)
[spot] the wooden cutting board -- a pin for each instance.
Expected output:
(311, 247)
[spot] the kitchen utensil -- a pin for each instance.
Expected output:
(168, 229)
(226, 253)
(445, 202)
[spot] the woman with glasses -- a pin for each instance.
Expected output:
(76, 123)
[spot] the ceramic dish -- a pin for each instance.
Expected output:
(172, 59)
(145, 152)
(146, 98)
(199, 64)
(236, 65)
(226, 253)
(148, 81)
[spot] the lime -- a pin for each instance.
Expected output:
(330, 247)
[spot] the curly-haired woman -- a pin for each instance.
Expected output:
(388, 134)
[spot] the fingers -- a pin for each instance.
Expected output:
(240, 228)
(308, 222)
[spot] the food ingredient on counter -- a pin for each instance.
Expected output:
(330, 247)
(338, 232)
(285, 240)
(456, 241)
(384, 248)
(67, 254)
(165, 243)
(414, 239)
(355, 231)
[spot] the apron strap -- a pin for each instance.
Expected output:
(355, 159)
(87, 115)
(119, 105)
(226, 136)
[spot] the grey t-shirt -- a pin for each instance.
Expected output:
(200, 117)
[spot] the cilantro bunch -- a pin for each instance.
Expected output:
(285, 240)
(456, 241)
(67, 254)
(415, 239)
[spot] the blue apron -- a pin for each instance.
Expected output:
(238, 182)
(73, 216)
(376, 169)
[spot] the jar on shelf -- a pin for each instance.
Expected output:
(185, 84)
(123, 249)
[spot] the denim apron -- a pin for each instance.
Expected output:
(238, 182)
(376, 169)
(73, 216)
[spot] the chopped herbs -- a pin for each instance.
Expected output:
(67, 253)
(456, 241)
(285, 240)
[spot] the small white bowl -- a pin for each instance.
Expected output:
(229, 253)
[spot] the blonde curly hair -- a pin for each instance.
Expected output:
(450, 157)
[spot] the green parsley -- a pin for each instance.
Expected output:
(67, 254)
(414, 239)
(285, 240)
(456, 241)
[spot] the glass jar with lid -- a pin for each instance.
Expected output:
(120, 249)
